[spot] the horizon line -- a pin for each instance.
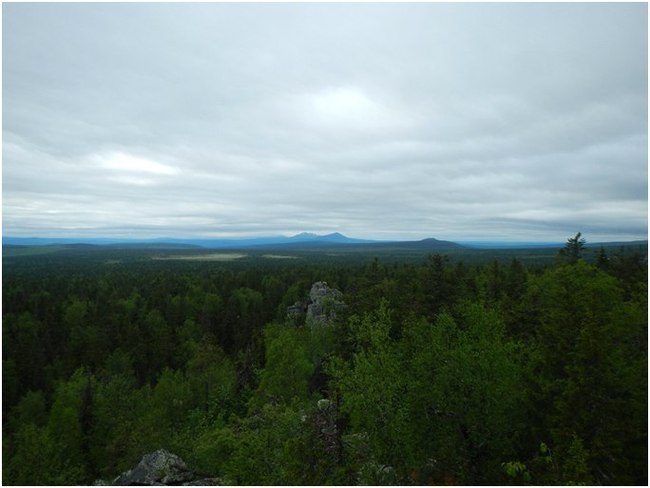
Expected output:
(163, 238)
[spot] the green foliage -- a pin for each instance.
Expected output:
(516, 470)
(31, 409)
(119, 430)
(469, 386)
(55, 453)
(372, 385)
(573, 249)
(447, 375)
(170, 401)
(575, 469)
(11, 387)
(25, 334)
(68, 428)
(593, 366)
(75, 314)
(495, 371)
(33, 460)
(266, 448)
(285, 377)
(212, 317)
(211, 378)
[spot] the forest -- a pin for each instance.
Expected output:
(414, 372)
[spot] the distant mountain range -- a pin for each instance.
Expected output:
(302, 240)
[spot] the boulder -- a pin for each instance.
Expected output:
(157, 468)
(161, 468)
(319, 290)
(325, 302)
(327, 430)
(321, 308)
(323, 404)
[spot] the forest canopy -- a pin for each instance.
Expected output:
(422, 372)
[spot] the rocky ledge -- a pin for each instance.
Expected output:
(324, 302)
(161, 468)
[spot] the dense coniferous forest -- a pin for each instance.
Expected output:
(433, 371)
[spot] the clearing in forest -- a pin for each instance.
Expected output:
(202, 257)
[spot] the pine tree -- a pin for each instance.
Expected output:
(572, 251)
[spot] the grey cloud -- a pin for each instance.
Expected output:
(377, 120)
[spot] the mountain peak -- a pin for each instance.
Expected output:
(311, 235)
(331, 238)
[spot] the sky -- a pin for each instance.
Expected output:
(520, 122)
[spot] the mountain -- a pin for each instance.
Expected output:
(304, 240)
(339, 241)
(49, 241)
(424, 244)
(312, 241)
(544, 245)
(175, 243)
(304, 236)
(510, 244)
(641, 243)
(335, 237)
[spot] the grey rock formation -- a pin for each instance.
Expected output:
(327, 430)
(296, 311)
(324, 303)
(323, 404)
(161, 468)
(320, 290)
(157, 468)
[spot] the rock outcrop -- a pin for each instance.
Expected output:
(324, 302)
(296, 311)
(161, 468)
(327, 429)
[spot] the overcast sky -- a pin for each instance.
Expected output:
(455, 121)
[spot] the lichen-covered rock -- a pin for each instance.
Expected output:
(324, 302)
(327, 430)
(323, 404)
(296, 311)
(161, 468)
(157, 468)
(319, 290)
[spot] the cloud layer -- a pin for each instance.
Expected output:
(459, 121)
